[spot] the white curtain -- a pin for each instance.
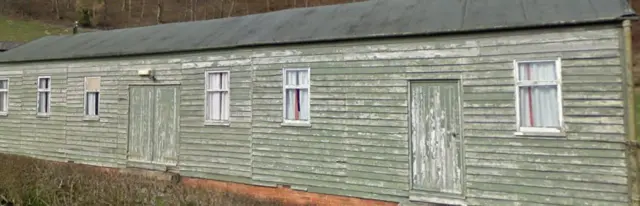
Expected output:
(297, 99)
(224, 96)
(3, 101)
(92, 103)
(44, 83)
(42, 102)
(539, 104)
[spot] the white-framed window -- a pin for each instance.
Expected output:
(217, 96)
(4, 96)
(296, 95)
(92, 96)
(539, 96)
(44, 95)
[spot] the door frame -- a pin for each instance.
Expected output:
(424, 196)
(152, 165)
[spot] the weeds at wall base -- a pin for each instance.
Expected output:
(32, 182)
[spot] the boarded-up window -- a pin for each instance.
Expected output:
(296, 95)
(538, 96)
(44, 95)
(217, 96)
(91, 96)
(4, 96)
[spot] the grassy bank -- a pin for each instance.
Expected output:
(25, 30)
(32, 182)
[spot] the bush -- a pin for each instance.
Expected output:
(33, 182)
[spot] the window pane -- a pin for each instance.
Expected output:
(296, 78)
(224, 84)
(44, 83)
(214, 100)
(92, 83)
(296, 104)
(539, 106)
(3, 102)
(539, 71)
(214, 81)
(43, 102)
(92, 104)
(4, 84)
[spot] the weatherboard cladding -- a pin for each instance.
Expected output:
(374, 18)
(358, 142)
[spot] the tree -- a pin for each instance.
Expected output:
(56, 8)
(159, 12)
(268, 5)
(233, 5)
(142, 9)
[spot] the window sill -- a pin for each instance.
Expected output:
(40, 115)
(4, 114)
(91, 118)
(216, 123)
(296, 124)
(540, 134)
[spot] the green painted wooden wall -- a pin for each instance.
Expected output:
(358, 142)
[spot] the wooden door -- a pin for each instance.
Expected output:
(141, 119)
(436, 141)
(153, 125)
(166, 125)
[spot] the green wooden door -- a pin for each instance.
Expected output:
(166, 125)
(153, 124)
(141, 109)
(436, 141)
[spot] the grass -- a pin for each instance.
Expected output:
(33, 182)
(12, 29)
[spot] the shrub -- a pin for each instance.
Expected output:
(33, 182)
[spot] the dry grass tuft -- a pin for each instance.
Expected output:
(32, 182)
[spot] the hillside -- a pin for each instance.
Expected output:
(17, 30)
(130, 13)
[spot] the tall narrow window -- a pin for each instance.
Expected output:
(296, 95)
(44, 95)
(539, 96)
(91, 96)
(4, 96)
(217, 96)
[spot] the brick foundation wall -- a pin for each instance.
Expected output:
(287, 195)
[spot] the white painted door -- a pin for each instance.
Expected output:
(436, 141)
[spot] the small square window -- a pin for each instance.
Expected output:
(539, 98)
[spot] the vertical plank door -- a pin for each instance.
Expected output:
(436, 141)
(153, 125)
(166, 125)
(141, 128)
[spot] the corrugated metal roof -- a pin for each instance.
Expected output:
(374, 18)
